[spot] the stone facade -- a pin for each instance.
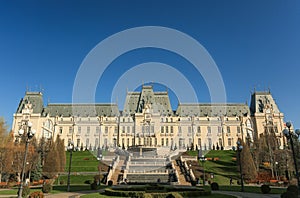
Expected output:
(148, 119)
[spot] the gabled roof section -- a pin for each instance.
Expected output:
(260, 100)
(203, 110)
(35, 98)
(135, 101)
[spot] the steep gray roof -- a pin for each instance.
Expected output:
(260, 100)
(212, 110)
(82, 110)
(135, 101)
(35, 98)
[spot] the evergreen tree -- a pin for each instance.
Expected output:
(51, 165)
(60, 145)
(248, 165)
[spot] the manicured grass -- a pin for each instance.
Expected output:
(9, 192)
(74, 179)
(82, 161)
(223, 168)
(55, 190)
(252, 189)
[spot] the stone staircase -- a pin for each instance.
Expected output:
(181, 175)
(118, 172)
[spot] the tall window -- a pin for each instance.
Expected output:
(60, 130)
(220, 142)
(238, 129)
(167, 129)
(162, 129)
(152, 128)
(88, 130)
(116, 130)
(228, 129)
(199, 142)
(198, 129)
(70, 130)
(79, 130)
(171, 128)
(123, 129)
(87, 142)
(106, 129)
(189, 130)
(78, 142)
(167, 141)
(179, 131)
(229, 142)
(209, 130)
(162, 142)
(209, 143)
(128, 130)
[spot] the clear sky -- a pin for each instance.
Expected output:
(255, 44)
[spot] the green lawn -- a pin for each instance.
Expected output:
(222, 169)
(74, 179)
(252, 189)
(82, 161)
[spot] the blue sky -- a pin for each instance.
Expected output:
(254, 44)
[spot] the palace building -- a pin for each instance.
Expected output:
(148, 119)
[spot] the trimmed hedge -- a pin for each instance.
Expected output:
(140, 191)
(265, 189)
(192, 194)
(36, 194)
(116, 193)
(25, 191)
(46, 188)
(214, 186)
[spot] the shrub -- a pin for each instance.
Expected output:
(289, 194)
(214, 186)
(36, 194)
(25, 191)
(110, 183)
(88, 181)
(46, 188)
(191, 194)
(97, 178)
(293, 189)
(193, 183)
(94, 186)
(61, 182)
(265, 189)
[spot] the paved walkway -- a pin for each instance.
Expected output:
(247, 195)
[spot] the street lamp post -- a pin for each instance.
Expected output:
(70, 148)
(289, 135)
(27, 129)
(276, 171)
(239, 150)
(202, 160)
(193, 138)
(99, 158)
(100, 119)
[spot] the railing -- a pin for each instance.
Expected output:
(191, 158)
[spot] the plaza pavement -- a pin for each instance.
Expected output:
(236, 194)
